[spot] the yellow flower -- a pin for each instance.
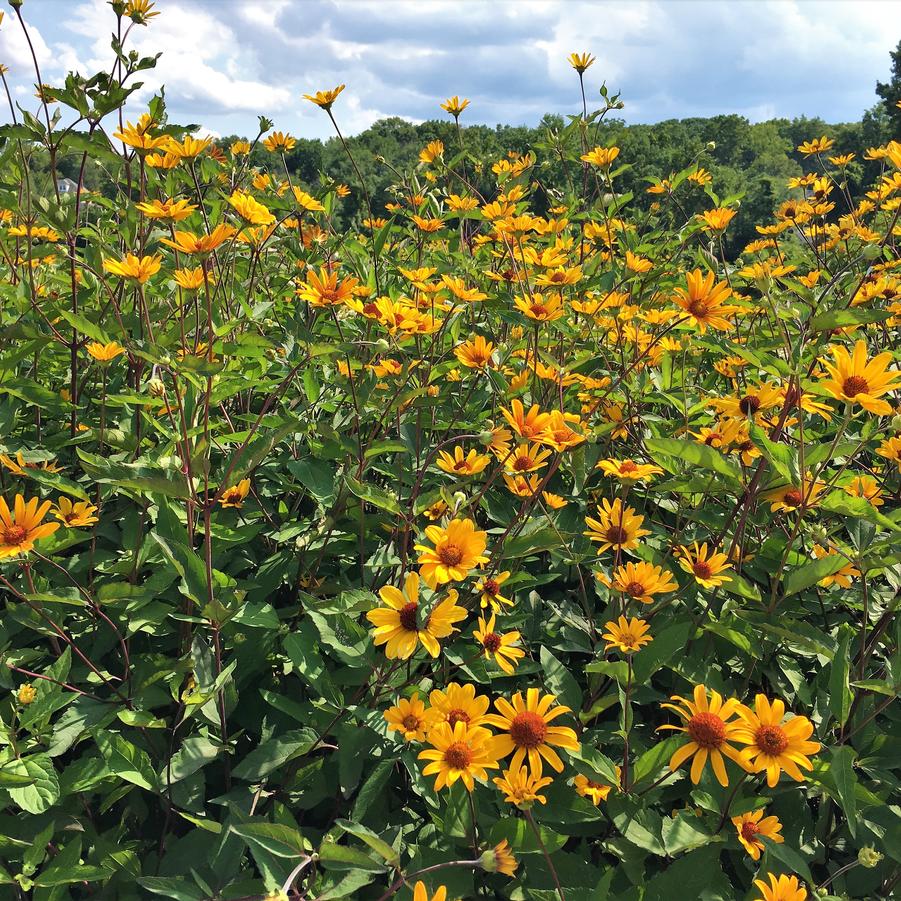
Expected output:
(527, 458)
(782, 888)
(500, 646)
(636, 263)
(554, 501)
(249, 208)
(594, 791)
(454, 105)
(628, 635)
(858, 381)
(706, 566)
(138, 268)
(617, 526)
(234, 496)
(240, 148)
(140, 11)
(20, 464)
(397, 625)
(431, 152)
(188, 147)
(421, 893)
(890, 449)
(580, 61)
(26, 694)
(641, 581)
(628, 470)
(521, 787)
(540, 307)
(601, 156)
(279, 141)
(74, 515)
(190, 243)
(527, 733)
(499, 859)
(20, 529)
(325, 99)
(710, 727)
(475, 353)
(843, 577)
(324, 289)
(817, 145)
(105, 352)
(717, 219)
(489, 588)
(462, 752)
(793, 497)
(457, 548)
(775, 745)
(527, 425)
(306, 201)
(459, 464)
(558, 434)
(458, 704)
(458, 287)
(751, 824)
(410, 717)
(703, 301)
(139, 137)
(192, 279)
(167, 210)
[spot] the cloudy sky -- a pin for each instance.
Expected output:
(225, 61)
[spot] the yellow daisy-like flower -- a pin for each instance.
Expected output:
(22, 527)
(454, 105)
(189, 243)
(138, 269)
(617, 526)
(527, 458)
(521, 787)
(817, 145)
(717, 219)
(594, 791)
(600, 156)
(458, 704)
(250, 209)
(325, 289)
(460, 464)
(628, 470)
(397, 625)
(628, 635)
(410, 717)
(580, 61)
(781, 888)
(707, 567)
(890, 449)
(104, 353)
(704, 301)
(844, 577)
(527, 732)
(75, 515)
(489, 589)
(710, 727)
(475, 353)
(457, 548)
(234, 496)
(531, 424)
(858, 381)
(752, 824)
(421, 893)
(641, 581)
(500, 646)
(793, 497)
(325, 99)
(461, 752)
(167, 210)
(540, 307)
(500, 859)
(774, 745)
(279, 142)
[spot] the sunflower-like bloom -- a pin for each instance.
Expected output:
(774, 745)
(843, 577)
(617, 526)
(454, 105)
(559, 433)
(458, 704)
(192, 279)
(250, 209)
(475, 353)
(628, 635)
(794, 497)
(890, 449)
(187, 242)
(139, 137)
(421, 893)
(462, 752)
(756, 399)
(540, 307)
(19, 466)
(817, 145)
(641, 581)
(527, 425)
(628, 470)
(234, 496)
(527, 733)
(527, 458)
(105, 352)
(410, 717)
(717, 219)
(594, 791)
(457, 548)
(75, 515)
(858, 381)
(489, 589)
(325, 290)
(500, 859)
(460, 464)
(279, 142)
(707, 566)
(600, 156)
(166, 210)
(781, 888)
(866, 487)
(325, 99)
(704, 301)
(397, 625)
(710, 727)
(580, 61)
(521, 787)
(137, 268)
(500, 646)
(20, 529)
(306, 201)
(752, 824)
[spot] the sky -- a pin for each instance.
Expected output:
(224, 62)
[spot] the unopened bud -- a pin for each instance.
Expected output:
(711, 145)
(869, 857)
(156, 388)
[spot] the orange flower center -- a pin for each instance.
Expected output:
(792, 497)
(771, 740)
(457, 716)
(522, 464)
(491, 642)
(855, 385)
(707, 730)
(635, 589)
(15, 535)
(538, 309)
(450, 555)
(410, 722)
(627, 466)
(616, 535)
(461, 465)
(749, 404)
(458, 756)
(490, 586)
(702, 569)
(407, 617)
(528, 729)
(749, 831)
(697, 308)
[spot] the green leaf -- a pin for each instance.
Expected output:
(378, 497)
(274, 838)
(826, 322)
(43, 791)
(340, 857)
(379, 845)
(125, 760)
(812, 572)
(172, 887)
(270, 755)
(187, 562)
(840, 694)
(559, 680)
(787, 855)
(841, 767)
(673, 453)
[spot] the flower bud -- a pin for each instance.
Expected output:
(27, 694)
(711, 145)
(868, 857)
(156, 388)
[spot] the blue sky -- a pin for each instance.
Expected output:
(225, 61)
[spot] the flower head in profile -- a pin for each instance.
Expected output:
(527, 732)
(279, 142)
(628, 470)
(710, 726)
(602, 157)
(410, 717)
(593, 790)
(781, 888)
(250, 209)
(454, 105)
(398, 627)
(499, 859)
(521, 787)
(166, 210)
(325, 99)
(140, 11)
(501, 646)
(817, 145)
(707, 566)
(717, 219)
(23, 526)
(641, 581)
(188, 148)
(235, 495)
(74, 515)
(462, 752)
(627, 635)
(475, 353)
(857, 380)
(104, 353)
(617, 526)
(455, 550)
(580, 61)
(136, 268)
(774, 743)
(139, 136)
(753, 824)
(187, 242)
